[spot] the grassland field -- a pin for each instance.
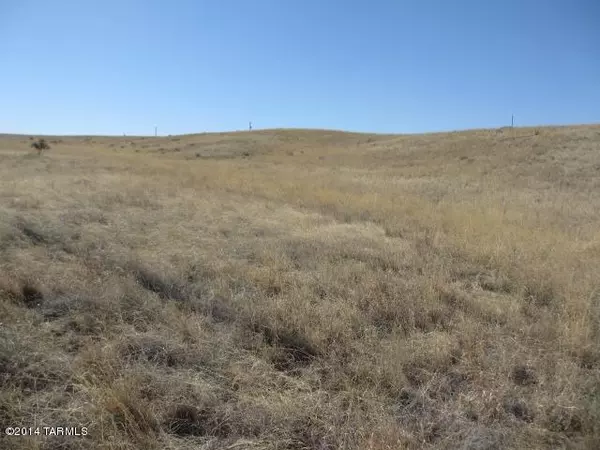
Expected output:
(302, 289)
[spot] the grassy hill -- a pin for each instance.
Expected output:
(303, 289)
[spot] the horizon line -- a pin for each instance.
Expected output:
(335, 130)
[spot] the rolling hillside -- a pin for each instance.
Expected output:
(303, 289)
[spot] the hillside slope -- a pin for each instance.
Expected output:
(303, 289)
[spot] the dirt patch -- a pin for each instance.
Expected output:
(32, 295)
(524, 375)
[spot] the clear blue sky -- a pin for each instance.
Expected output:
(115, 66)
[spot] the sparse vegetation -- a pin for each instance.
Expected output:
(372, 292)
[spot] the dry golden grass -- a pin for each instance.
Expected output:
(296, 289)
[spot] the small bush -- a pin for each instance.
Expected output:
(40, 145)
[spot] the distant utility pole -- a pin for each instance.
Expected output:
(512, 122)
(249, 126)
(155, 130)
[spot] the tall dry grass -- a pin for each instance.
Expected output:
(303, 289)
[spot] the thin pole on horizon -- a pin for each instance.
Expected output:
(249, 126)
(155, 130)
(512, 125)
